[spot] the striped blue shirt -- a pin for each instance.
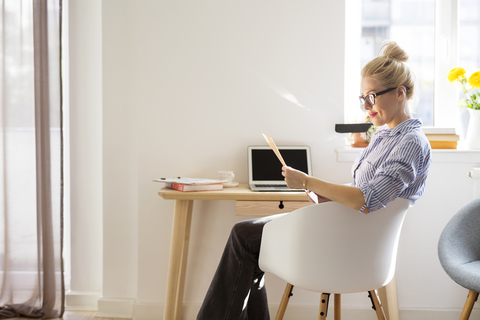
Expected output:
(395, 164)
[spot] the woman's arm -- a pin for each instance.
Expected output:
(347, 195)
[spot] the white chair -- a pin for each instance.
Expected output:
(331, 248)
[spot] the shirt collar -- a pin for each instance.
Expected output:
(404, 127)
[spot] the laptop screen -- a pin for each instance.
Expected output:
(265, 166)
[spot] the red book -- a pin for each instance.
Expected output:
(198, 187)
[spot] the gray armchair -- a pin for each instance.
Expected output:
(459, 252)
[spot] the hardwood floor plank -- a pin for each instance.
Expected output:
(73, 315)
(79, 315)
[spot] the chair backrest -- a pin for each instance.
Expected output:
(459, 246)
(332, 248)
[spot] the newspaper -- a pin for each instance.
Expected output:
(312, 195)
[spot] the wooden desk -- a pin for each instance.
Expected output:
(247, 203)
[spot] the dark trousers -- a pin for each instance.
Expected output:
(237, 291)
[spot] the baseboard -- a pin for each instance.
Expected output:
(435, 314)
(82, 300)
(149, 311)
(154, 311)
(115, 308)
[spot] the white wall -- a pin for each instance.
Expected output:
(186, 86)
(210, 80)
(85, 110)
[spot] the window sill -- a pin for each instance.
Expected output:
(349, 154)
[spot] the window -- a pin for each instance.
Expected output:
(412, 25)
(438, 36)
(469, 35)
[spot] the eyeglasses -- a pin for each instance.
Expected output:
(370, 98)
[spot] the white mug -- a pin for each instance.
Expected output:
(226, 176)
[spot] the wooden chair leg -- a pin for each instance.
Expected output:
(283, 304)
(337, 302)
(322, 315)
(467, 309)
(389, 299)
(377, 305)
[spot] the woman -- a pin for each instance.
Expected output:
(395, 164)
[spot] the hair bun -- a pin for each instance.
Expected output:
(391, 50)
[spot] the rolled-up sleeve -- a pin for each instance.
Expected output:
(393, 176)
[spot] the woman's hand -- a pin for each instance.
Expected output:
(347, 195)
(294, 178)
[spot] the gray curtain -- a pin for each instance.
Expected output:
(31, 159)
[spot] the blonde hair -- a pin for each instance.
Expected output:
(390, 69)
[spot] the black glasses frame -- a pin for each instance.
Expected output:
(370, 98)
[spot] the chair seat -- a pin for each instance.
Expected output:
(459, 252)
(467, 275)
(332, 248)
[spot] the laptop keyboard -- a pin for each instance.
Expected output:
(271, 185)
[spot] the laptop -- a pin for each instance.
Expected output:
(265, 170)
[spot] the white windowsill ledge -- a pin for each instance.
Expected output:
(349, 154)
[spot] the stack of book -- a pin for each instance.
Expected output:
(192, 184)
(442, 138)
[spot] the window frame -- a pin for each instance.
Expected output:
(446, 57)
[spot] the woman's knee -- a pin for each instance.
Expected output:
(245, 228)
(247, 233)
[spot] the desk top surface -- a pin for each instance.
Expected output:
(242, 192)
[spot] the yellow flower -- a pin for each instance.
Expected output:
(474, 80)
(470, 87)
(455, 74)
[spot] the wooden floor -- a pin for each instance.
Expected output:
(78, 315)
(84, 315)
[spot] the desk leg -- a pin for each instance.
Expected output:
(178, 259)
(389, 299)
